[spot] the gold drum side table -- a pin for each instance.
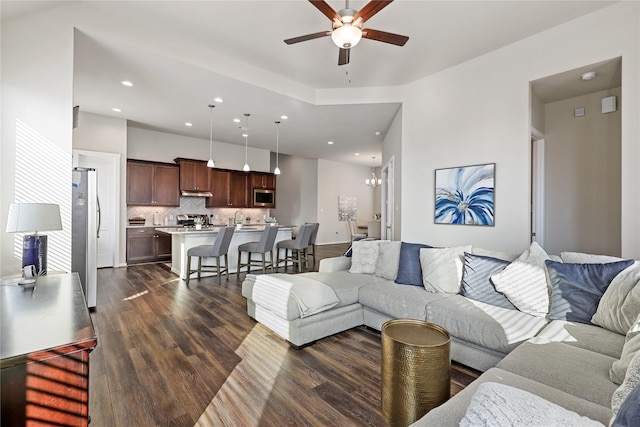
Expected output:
(416, 369)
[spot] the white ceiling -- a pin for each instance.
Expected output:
(185, 53)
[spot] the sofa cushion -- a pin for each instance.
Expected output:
(631, 381)
(576, 289)
(524, 282)
(397, 300)
(364, 257)
(631, 347)
(409, 270)
(492, 327)
(500, 405)
(572, 369)
(620, 304)
(345, 284)
(388, 260)
(442, 268)
(476, 283)
(589, 337)
(583, 258)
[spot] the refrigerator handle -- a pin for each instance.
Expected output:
(99, 216)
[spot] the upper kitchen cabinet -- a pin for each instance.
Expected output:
(152, 184)
(229, 189)
(239, 190)
(194, 175)
(263, 180)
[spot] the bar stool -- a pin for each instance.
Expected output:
(311, 250)
(298, 247)
(219, 248)
(265, 244)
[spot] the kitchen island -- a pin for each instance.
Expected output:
(184, 238)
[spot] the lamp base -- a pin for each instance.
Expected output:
(34, 252)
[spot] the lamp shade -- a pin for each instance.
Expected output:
(29, 217)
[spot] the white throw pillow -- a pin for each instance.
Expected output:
(631, 381)
(620, 303)
(442, 268)
(388, 259)
(631, 347)
(365, 255)
(495, 254)
(582, 258)
(524, 282)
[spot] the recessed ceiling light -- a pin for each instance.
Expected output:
(127, 83)
(357, 154)
(236, 120)
(188, 124)
(378, 133)
(284, 117)
(588, 76)
(117, 110)
(218, 99)
(330, 142)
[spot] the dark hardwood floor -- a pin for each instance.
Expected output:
(172, 355)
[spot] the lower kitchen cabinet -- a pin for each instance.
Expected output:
(145, 244)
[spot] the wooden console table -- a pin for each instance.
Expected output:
(46, 338)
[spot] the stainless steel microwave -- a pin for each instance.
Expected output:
(264, 198)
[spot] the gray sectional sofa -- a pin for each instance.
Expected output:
(558, 360)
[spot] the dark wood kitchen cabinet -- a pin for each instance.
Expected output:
(46, 339)
(263, 180)
(194, 175)
(229, 189)
(239, 190)
(152, 184)
(146, 244)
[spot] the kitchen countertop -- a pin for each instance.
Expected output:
(251, 228)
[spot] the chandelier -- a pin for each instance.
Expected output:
(374, 181)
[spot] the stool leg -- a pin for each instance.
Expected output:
(238, 270)
(218, 270)
(264, 265)
(199, 267)
(226, 266)
(188, 269)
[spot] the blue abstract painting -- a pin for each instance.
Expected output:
(465, 195)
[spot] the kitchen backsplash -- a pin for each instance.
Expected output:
(193, 205)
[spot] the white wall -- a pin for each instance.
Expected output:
(479, 112)
(96, 132)
(341, 179)
(582, 189)
(297, 191)
(146, 144)
(392, 148)
(37, 88)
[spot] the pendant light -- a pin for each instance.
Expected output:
(211, 163)
(276, 171)
(246, 167)
(374, 181)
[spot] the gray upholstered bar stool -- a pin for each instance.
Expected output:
(311, 250)
(219, 248)
(265, 245)
(297, 246)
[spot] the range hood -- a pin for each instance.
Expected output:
(195, 193)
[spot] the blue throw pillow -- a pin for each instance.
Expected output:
(629, 412)
(476, 283)
(576, 289)
(409, 270)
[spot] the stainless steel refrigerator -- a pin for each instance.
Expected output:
(85, 226)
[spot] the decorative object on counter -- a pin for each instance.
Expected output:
(276, 171)
(198, 222)
(211, 163)
(34, 217)
(374, 181)
(137, 220)
(247, 219)
(465, 195)
(156, 218)
(246, 167)
(271, 220)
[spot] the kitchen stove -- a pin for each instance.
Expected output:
(188, 220)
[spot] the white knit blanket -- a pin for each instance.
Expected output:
(272, 291)
(500, 405)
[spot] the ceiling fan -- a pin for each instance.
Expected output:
(347, 27)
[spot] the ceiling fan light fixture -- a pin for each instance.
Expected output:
(346, 36)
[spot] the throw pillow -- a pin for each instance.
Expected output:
(349, 252)
(524, 282)
(631, 381)
(582, 258)
(629, 413)
(495, 254)
(442, 268)
(501, 405)
(475, 280)
(409, 270)
(620, 304)
(388, 260)
(576, 289)
(631, 347)
(365, 255)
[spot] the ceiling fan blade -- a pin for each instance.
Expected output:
(383, 36)
(327, 10)
(370, 9)
(307, 37)
(343, 56)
